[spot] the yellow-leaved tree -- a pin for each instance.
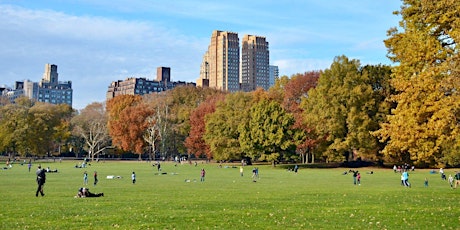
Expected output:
(424, 127)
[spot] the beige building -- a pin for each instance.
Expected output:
(220, 66)
(255, 70)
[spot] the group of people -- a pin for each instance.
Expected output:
(82, 192)
(454, 181)
(402, 168)
(356, 177)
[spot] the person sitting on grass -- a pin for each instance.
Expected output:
(84, 192)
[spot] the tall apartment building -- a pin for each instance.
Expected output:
(141, 86)
(274, 74)
(220, 65)
(255, 61)
(49, 89)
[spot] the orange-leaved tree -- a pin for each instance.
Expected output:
(195, 142)
(128, 122)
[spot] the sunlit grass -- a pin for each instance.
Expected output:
(311, 199)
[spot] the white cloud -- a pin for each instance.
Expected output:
(97, 42)
(89, 51)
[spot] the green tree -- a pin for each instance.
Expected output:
(266, 135)
(424, 126)
(339, 109)
(222, 133)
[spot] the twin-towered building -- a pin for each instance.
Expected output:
(224, 68)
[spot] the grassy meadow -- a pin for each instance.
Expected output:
(280, 199)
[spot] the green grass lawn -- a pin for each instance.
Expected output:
(311, 199)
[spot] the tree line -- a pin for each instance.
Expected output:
(405, 113)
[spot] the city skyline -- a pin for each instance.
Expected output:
(95, 43)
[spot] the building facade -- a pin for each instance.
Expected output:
(220, 65)
(141, 86)
(274, 74)
(49, 89)
(255, 61)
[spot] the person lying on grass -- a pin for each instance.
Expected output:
(84, 192)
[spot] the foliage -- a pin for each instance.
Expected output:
(128, 122)
(34, 128)
(297, 89)
(195, 142)
(340, 109)
(424, 126)
(222, 134)
(266, 135)
(183, 100)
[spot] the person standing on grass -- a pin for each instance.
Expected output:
(358, 178)
(405, 177)
(355, 175)
(426, 182)
(95, 178)
(241, 170)
(451, 181)
(457, 179)
(254, 175)
(29, 165)
(41, 178)
(133, 177)
(202, 174)
(85, 178)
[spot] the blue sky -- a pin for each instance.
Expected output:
(95, 42)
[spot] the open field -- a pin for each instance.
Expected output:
(311, 199)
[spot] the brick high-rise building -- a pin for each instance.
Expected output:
(220, 65)
(255, 59)
(141, 86)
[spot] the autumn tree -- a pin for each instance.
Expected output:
(91, 125)
(222, 133)
(49, 125)
(35, 128)
(194, 142)
(276, 92)
(128, 122)
(181, 102)
(424, 127)
(339, 109)
(266, 135)
(14, 127)
(295, 90)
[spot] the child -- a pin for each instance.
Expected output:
(133, 177)
(358, 177)
(451, 181)
(426, 182)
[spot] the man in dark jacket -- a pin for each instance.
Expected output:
(41, 178)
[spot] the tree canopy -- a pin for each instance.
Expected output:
(424, 126)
